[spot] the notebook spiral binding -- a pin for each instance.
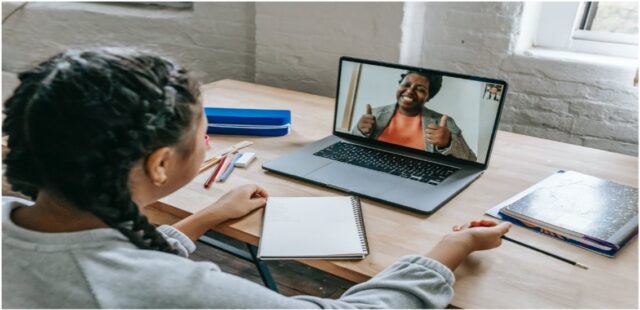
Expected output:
(362, 233)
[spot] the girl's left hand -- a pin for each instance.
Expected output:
(241, 201)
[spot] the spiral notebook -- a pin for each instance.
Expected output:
(313, 227)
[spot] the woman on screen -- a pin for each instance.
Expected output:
(408, 122)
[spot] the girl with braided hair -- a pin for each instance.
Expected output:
(93, 135)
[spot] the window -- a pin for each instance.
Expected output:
(608, 28)
(616, 17)
(158, 5)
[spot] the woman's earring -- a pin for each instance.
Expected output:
(161, 182)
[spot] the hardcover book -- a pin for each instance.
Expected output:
(586, 211)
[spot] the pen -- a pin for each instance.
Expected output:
(546, 253)
(227, 172)
(215, 172)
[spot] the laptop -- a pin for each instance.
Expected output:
(406, 136)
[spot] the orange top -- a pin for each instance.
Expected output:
(404, 130)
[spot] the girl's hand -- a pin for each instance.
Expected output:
(481, 234)
(241, 201)
(473, 236)
(234, 204)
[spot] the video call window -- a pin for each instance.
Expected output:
(422, 110)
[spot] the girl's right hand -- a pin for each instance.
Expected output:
(480, 234)
(473, 236)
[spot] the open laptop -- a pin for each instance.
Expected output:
(407, 136)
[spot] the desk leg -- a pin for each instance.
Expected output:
(263, 269)
(251, 256)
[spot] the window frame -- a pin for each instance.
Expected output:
(558, 28)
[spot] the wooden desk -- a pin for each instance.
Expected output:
(507, 277)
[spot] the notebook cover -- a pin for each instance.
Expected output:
(582, 243)
(592, 213)
(313, 228)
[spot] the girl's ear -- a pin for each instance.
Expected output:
(157, 165)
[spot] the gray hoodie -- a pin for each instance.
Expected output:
(100, 268)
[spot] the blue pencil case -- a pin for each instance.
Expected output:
(254, 122)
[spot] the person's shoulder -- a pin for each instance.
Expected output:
(141, 278)
(144, 261)
(430, 114)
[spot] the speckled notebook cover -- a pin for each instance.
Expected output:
(581, 205)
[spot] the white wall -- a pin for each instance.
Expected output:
(215, 40)
(377, 87)
(589, 101)
(585, 101)
(459, 99)
(298, 45)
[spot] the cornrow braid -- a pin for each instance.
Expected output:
(78, 123)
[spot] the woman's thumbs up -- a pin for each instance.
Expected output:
(367, 121)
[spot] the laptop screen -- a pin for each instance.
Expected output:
(431, 111)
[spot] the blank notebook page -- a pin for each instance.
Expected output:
(310, 227)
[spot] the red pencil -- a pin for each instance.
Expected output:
(215, 172)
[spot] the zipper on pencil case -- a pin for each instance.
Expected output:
(239, 126)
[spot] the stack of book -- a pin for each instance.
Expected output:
(591, 213)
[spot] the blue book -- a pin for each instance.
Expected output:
(254, 122)
(585, 211)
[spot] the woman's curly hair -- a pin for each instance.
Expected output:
(79, 121)
(435, 81)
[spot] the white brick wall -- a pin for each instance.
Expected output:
(216, 40)
(298, 44)
(569, 100)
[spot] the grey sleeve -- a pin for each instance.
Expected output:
(356, 131)
(411, 282)
(178, 240)
(458, 147)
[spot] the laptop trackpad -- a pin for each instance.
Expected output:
(351, 178)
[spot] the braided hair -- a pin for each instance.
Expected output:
(435, 81)
(79, 121)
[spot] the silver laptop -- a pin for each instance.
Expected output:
(410, 137)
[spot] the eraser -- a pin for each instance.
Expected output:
(245, 159)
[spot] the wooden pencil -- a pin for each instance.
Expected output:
(546, 253)
(215, 172)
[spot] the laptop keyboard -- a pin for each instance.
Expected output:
(406, 167)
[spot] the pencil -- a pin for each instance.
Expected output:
(213, 175)
(224, 167)
(209, 163)
(232, 149)
(227, 172)
(546, 253)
